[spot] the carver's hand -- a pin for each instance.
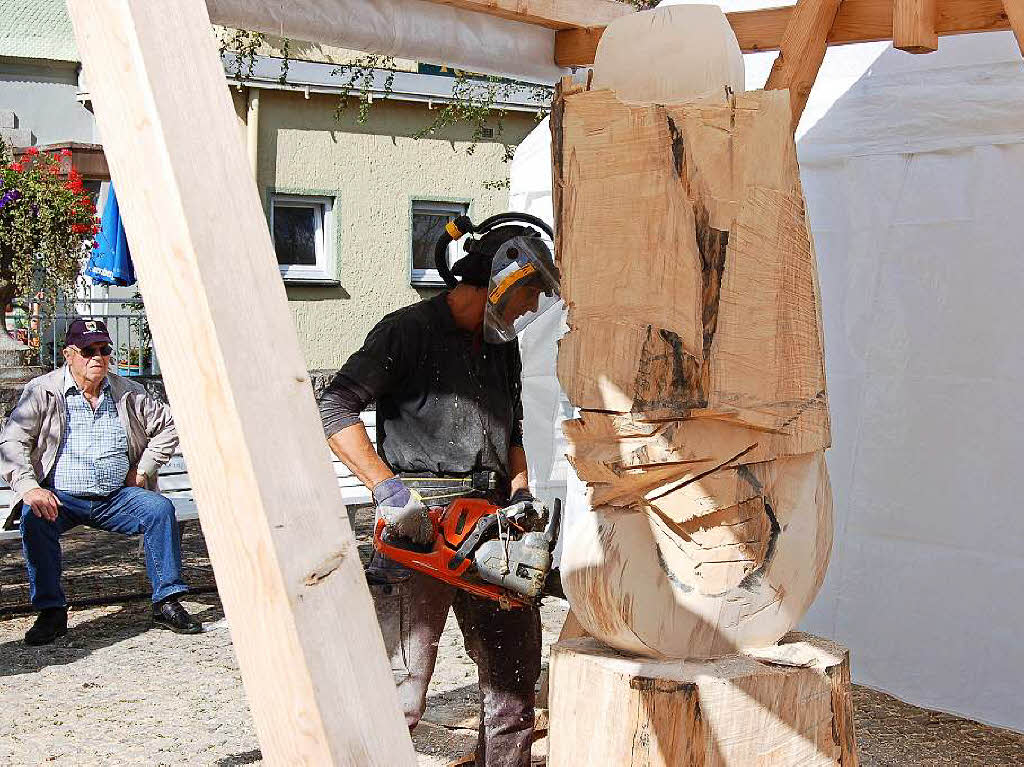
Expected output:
(403, 512)
(526, 509)
(43, 503)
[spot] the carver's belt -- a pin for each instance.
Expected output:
(441, 489)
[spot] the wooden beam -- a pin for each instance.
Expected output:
(802, 50)
(577, 47)
(302, 624)
(913, 26)
(1015, 13)
(858, 21)
(554, 14)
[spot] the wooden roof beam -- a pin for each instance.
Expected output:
(802, 50)
(554, 14)
(1015, 12)
(858, 21)
(913, 26)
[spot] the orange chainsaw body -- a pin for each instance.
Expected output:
(452, 525)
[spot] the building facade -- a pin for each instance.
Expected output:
(353, 207)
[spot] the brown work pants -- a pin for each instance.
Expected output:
(504, 644)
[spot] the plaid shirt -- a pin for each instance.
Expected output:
(93, 455)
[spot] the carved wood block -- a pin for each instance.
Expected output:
(783, 706)
(695, 355)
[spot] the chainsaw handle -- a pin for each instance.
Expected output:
(480, 529)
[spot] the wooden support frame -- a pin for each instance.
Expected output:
(1015, 14)
(554, 14)
(857, 21)
(802, 50)
(303, 627)
(913, 26)
(302, 623)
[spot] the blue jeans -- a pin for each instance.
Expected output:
(130, 511)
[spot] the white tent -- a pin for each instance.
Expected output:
(913, 169)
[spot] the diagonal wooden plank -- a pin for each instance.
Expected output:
(311, 654)
(1015, 13)
(858, 21)
(801, 52)
(913, 26)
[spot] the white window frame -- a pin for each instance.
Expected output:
(325, 269)
(431, 278)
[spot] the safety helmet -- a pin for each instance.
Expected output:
(512, 261)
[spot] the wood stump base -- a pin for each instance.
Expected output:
(787, 705)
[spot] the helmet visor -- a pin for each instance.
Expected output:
(523, 285)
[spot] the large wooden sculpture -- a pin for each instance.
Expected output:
(701, 524)
(695, 356)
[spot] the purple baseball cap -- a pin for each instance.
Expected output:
(84, 333)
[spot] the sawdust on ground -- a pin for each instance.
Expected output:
(117, 691)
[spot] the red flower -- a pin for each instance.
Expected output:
(16, 167)
(65, 152)
(79, 228)
(32, 151)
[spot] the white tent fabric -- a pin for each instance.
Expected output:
(410, 29)
(913, 169)
(544, 404)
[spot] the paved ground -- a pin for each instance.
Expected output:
(117, 692)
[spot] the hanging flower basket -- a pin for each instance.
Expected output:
(47, 224)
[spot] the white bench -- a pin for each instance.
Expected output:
(176, 485)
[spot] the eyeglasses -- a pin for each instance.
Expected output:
(93, 351)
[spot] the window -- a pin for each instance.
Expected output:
(303, 231)
(428, 222)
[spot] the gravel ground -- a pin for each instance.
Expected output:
(117, 691)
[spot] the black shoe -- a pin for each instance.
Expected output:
(51, 623)
(170, 614)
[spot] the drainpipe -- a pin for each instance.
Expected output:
(252, 127)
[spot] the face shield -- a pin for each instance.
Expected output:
(523, 285)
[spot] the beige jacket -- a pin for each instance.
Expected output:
(32, 435)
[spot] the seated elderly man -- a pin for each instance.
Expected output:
(83, 447)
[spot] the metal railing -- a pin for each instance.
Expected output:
(125, 318)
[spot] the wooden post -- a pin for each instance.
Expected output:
(783, 706)
(802, 51)
(1015, 13)
(303, 627)
(913, 26)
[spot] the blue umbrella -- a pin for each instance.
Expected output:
(111, 261)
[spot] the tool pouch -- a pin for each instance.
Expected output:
(393, 604)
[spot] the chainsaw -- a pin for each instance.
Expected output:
(494, 552)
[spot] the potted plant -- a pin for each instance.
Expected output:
(47, 224)
(134, 360)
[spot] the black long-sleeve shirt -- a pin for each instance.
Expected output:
(445, 404)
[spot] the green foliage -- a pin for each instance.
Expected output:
(359, 76)
(140, 320)
(245, 45)
(474, 102)
(47, 223)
